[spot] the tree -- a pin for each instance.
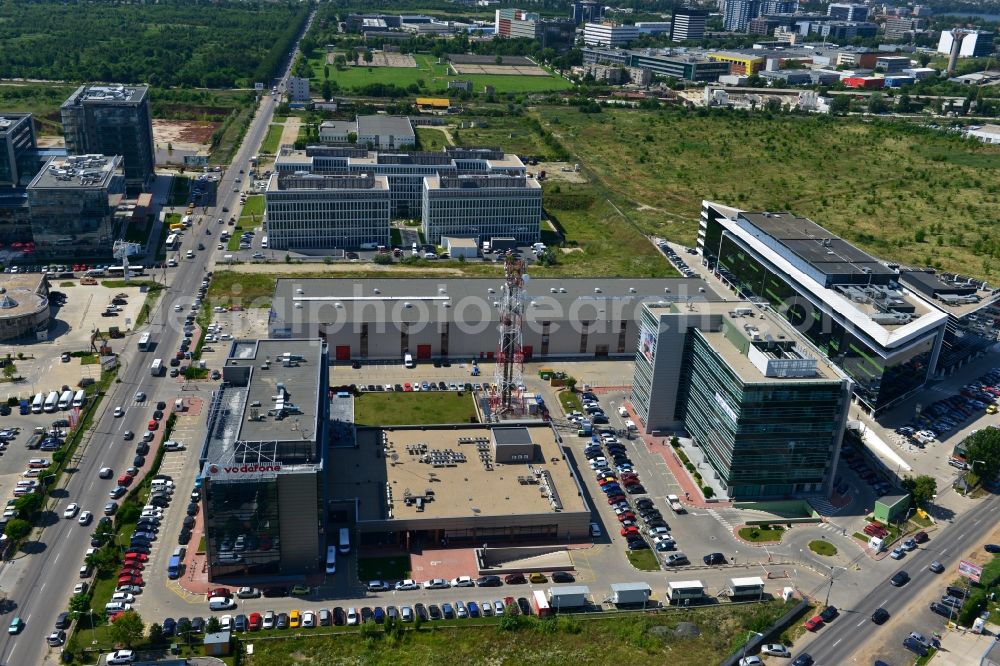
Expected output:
(982, 451)
(840, 105)
(499, 60)
(923, 58)
(340, 62)
(326, 71)
(922, 489)
(17, 529)
(877, 103)
(213, 625)
(79, 604)
(369, 56)
(327, 91)
(129, 513)
(155, 634)
(127, 628)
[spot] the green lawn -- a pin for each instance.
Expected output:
(824, 548)
(935, 197)
(633, 638)
(431, 77)
(383, 568)
(272, 140)
(253, 207)
(377, 409)
(644, 560)
(570, 401)
(761, 534)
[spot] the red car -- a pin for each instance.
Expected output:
(407, 387)
(128, 579)
(138, 557)
(256, 621)
(628, 515)
(220, 592)
(629, 477)
(813, 623)
(631, 529)
(153, 425)
(614, 499)
(606, 480)
(124, 480)
(132, 568)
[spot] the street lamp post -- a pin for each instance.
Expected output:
(750, 633)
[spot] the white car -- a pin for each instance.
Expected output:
(119, 412)
(178, 307)
(352, 616)
(463, 581)
(226, 622)
(408, 584)
(309, 619)
(436, 584)
(269, 618)
(123, 597)
(80, 588)
(775, 650)
(85, 518)
(140, 396)
(120, 657)
(751, 661)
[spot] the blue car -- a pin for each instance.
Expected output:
(611, 489)
(448, 611)
(169, 627)
(473, 609)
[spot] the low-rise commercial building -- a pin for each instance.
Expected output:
(425, 486)
(764, 406)
(666, 63)
(482, 206)
(72, 203)
(432, 318)
(263, 488)
(739, 63)
(891, 64)
(316, 212)
(24, 307)
(373, 132)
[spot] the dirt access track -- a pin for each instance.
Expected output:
(184, 134)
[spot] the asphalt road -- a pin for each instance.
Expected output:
(837, 642)
(39, 584)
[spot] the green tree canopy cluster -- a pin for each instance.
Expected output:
(171, 43)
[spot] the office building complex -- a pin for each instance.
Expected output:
(18, 150)
(482, 206)
(903, 28)
(687, 24)
(263, 490)
(609, 34)
(72, 203)
(378, 319)
(841, 299)
(846, 11)
(843, 30)
(665, 63)
(975, 43)
(767, 412)
(112, 120)
(374, 132)
(315, 212)
(513, 23)
(405, 171)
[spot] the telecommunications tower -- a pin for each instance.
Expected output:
(506, 397)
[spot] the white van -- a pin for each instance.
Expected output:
(37, 404)
(66, 400)
(408, 360)
(263, 242)
(221, 603)
(51, 402)
(80, 399)
(331, 559)
(630, 426)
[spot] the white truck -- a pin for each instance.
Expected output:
(630, 593)
(570, 596)
(675, 504)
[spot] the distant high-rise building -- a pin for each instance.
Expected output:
(609, 34)
(298, 89)
(975, 44)
(902, 28)
(739, 13)
(587, 12)
(847, 11)
(112, 120)
(688, 24)
(18, 160)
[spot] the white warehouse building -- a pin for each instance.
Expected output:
(482, 206)
(313, 212)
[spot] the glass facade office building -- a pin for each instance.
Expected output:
(243, 527)
(882, 375)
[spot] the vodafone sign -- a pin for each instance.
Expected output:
(235, 471)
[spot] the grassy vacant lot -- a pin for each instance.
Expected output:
(430, 77)
(431, 139)
(640, 638)
(644, 560)
(273, 138)
(900, 191)
(41, 99)
(510, 133)
(376, 409)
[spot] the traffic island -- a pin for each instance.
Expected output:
(824, 548)
(761, 534)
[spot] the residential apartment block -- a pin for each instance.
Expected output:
(482, 206)
(687, 24)
(307, 212)
(847, 11)
(112, 120)
(72, 202)
(298, 89)
(609, 34)
(759, 401)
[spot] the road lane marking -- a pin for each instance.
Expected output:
(862, 622)
(837, 643)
